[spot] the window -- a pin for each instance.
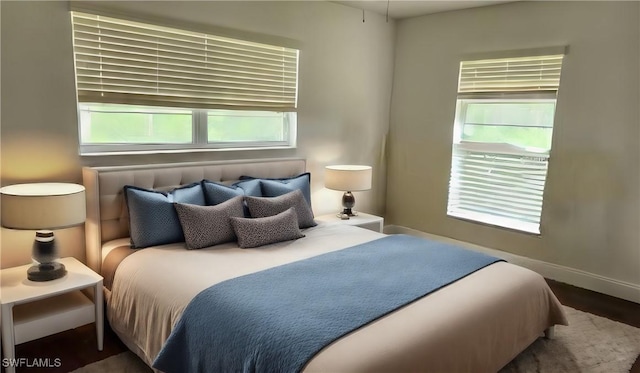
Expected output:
(502, 139)
(148, 87)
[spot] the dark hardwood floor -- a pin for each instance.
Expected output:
(76, 348)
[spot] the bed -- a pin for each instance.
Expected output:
(478, 323)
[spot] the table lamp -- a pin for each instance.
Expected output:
(43, 207)
(348, 178)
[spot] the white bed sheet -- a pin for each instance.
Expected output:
(476, 324)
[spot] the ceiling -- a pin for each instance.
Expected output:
(404, 8)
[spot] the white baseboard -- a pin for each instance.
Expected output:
(572, 276)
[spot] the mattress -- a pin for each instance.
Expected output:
(478, 323)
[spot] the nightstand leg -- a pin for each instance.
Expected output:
(99, 315)
(8, 337)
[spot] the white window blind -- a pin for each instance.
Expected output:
(125, 62)
(495, 179)
(524, 74)
(506, 187)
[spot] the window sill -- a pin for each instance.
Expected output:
(496, 222)
(181, 151)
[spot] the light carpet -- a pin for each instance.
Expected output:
(590, 344)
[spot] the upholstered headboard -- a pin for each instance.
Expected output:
(107, 217)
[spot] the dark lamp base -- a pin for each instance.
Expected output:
(346, 214)
(348, 201)
(46, 272)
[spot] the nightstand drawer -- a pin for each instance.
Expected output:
(52, 315)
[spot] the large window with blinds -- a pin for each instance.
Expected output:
(144, 87)
(502, 139)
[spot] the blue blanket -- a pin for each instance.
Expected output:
(276, 320)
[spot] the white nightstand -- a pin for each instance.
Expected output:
(32, 310)
(372, 222)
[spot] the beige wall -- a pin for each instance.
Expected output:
(345, 79)
(590, 218)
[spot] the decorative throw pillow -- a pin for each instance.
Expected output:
(250, 187)
(264, 231)
(205, 226)
(260, 207)
(152, 218)
(278, 187)
(216, 193)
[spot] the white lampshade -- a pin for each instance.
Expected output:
(348, 177)
(42, 206)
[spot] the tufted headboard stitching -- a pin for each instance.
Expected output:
(107, 217)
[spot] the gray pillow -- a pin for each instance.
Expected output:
(261, 207)
(263, 231)
(205, 226)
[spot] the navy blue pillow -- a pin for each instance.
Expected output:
(281, 186)
(250, 187)
(152, 217)
(215, 193)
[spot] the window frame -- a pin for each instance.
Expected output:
(514, 203)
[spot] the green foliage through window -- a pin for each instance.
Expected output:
(523, 124)
(130, 125)
(245, 126)
(113, 126)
